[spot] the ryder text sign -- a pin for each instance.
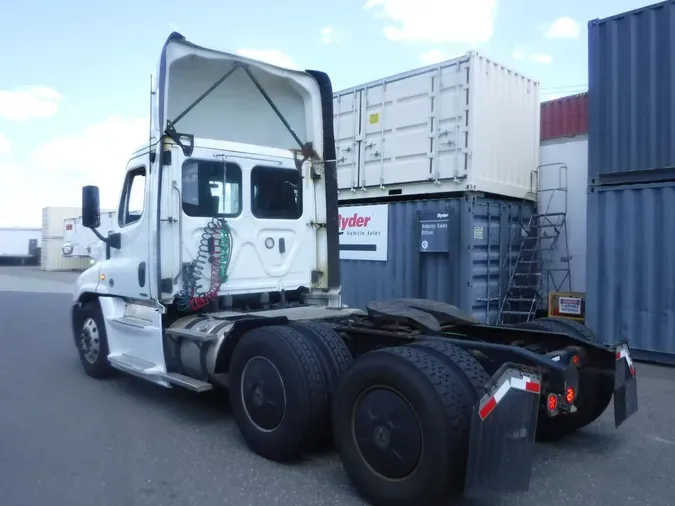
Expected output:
(363, 232)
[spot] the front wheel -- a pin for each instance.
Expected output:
(92, 341)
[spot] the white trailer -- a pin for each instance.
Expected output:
(80, 241)
(466, 124)
(223, 271)
(22, 244)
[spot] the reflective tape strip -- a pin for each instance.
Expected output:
(622, 352)
(525, 384)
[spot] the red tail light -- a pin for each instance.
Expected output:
(570, 395)
(552, 402)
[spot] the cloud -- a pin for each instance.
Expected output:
(524, 52)
(432, 56)
(271, 56)
(53, 175)
(5, 145)
(562, 28)
(329, 35)
(541, 58)
(519, 54)
(29, 102)
(436, 21)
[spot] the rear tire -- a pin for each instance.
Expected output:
(456, 358)
(92, 341)
(332, 352)
(278, 392)
(408, 401)
(595, 391)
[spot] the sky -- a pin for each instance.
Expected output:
(75, 75)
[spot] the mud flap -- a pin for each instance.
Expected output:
(503, 428)
(625, 386)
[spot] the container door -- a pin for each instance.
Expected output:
(347, 128)
(397, 117)
(449, 130)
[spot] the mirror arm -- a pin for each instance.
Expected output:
(114, 240)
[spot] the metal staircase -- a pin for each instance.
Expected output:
(536, 272)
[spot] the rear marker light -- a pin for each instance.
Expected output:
(524, 384)
(570, 394)
(576, 360)
(552, 402)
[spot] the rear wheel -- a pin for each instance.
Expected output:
(278, 392)
(595, 390)
(401, 426)
(92, 341)
(331, 350)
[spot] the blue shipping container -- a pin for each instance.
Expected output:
(483, 238)
(632, 96)
(631, 267)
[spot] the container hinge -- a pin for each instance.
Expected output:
(170, 219)
(317, 225)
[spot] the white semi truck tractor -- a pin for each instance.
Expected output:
(222, 272)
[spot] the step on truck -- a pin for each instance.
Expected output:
(222, 274)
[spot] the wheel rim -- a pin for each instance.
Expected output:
(387, 433)
(263, 394)
(90, 340)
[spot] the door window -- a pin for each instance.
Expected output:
(276, 194)
(133, 197)
(211, 188)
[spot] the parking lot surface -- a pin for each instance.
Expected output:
(69, 440)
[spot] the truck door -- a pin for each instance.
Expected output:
(127, 272)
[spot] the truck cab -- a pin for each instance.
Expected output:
(230, 205)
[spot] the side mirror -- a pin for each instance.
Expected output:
(91, 207)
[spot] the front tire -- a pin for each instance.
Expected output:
(92, 341)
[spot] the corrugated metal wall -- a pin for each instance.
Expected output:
(632, 95)
(483, 232)
(564, 117)
(573, 152)
(631, 267)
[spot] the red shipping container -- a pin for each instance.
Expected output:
(564, 117)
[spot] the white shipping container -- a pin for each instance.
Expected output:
(19, 242)
(573, 152)
(53, 260)
(467, 124)
(53, 218)
(81, 241)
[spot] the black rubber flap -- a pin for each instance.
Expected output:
(625, 391)
(502, 444)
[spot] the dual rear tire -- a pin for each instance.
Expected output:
(399, 417)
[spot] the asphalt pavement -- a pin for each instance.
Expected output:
(69, 440)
